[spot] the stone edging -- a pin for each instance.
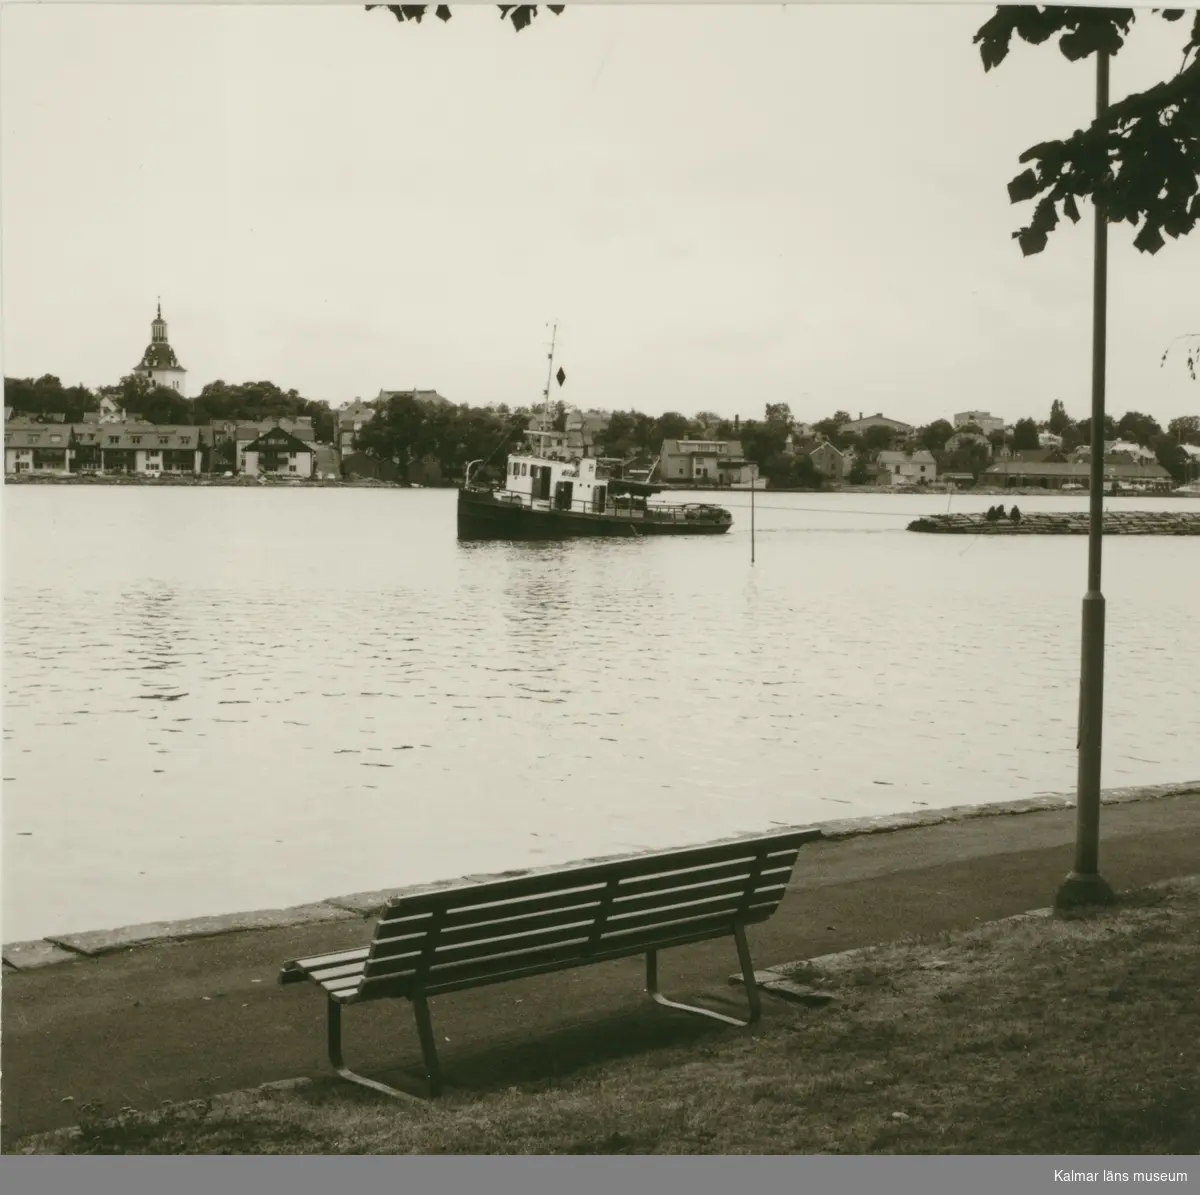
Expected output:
(60, 948)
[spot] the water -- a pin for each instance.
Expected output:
(223, 699)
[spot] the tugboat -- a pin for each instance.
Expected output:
(551, 493)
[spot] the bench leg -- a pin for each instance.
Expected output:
(334, 1023)
(752, 997)
(433, 1072)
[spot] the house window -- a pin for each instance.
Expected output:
(114, 439)
(163, 440)
(291, 468)
(56, 439)
(136, 439)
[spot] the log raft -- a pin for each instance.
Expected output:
(1122, 522)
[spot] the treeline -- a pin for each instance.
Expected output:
(141, 399)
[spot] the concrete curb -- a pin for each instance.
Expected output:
(61, 948)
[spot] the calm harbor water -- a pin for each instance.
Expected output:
(221, 699)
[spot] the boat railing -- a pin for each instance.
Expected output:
(619, 506)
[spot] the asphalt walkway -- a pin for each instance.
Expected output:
(179, 1021)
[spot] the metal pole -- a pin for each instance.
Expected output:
(752, 487)
(1084, 884)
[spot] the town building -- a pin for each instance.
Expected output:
(1062, 474)
(123, 448)
(159, 362)
(350, 421)
(856, 427)
(276, 452)
(31, 447)
(907, 468)
(984, 420)
(716, 462)
(830, 461)
(595, 423)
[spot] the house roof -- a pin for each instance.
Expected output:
(36, 435)
(732, 448)
(921, 457)
(1077, 469)
(274, 437)
(826, 444)
(137, 435)
(879, 416)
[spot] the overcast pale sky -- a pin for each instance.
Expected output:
(722, 206)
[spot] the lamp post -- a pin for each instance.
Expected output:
(1084, 884)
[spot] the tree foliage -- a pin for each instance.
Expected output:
(519, 14)
(35, 398)
(1025, 435)
(1139, 162)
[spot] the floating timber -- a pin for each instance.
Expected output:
(1121, 522)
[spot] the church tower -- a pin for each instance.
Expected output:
(159, 362)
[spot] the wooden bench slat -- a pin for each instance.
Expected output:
(698, 875)
(596, 875)
(341, 971)
(340, 956)
(443, 985)
(475, 968)
(386, 947)
(497, 947)
(479, 914)
(581, 914)
(678, 896)
(714, 904)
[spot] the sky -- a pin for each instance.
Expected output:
(721, 207)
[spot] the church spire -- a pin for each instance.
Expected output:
(158, 329)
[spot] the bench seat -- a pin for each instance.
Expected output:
(473, 935)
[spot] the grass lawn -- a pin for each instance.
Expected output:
(1039, 1035)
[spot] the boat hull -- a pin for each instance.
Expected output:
(481, 516)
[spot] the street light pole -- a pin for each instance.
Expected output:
(1084, 885)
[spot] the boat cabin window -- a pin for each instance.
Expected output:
(516, 468)
(523, 469)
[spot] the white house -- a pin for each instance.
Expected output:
(909, 468)
(276, 453)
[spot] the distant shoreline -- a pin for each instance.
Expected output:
(372, 483)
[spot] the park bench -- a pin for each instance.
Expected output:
(474, 934)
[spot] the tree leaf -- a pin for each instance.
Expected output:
(1071, 209)
(1149, 240)
(1031, 241)
(1024, 186)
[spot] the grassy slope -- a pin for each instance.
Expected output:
(1035, 1036)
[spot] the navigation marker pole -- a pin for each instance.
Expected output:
(1084, 885)
(752, 488)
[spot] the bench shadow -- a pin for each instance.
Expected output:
(539, 1058)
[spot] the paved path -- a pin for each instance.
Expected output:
(174, 1022)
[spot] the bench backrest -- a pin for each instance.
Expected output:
(478, 934)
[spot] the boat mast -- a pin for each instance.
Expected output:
(550, 370)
